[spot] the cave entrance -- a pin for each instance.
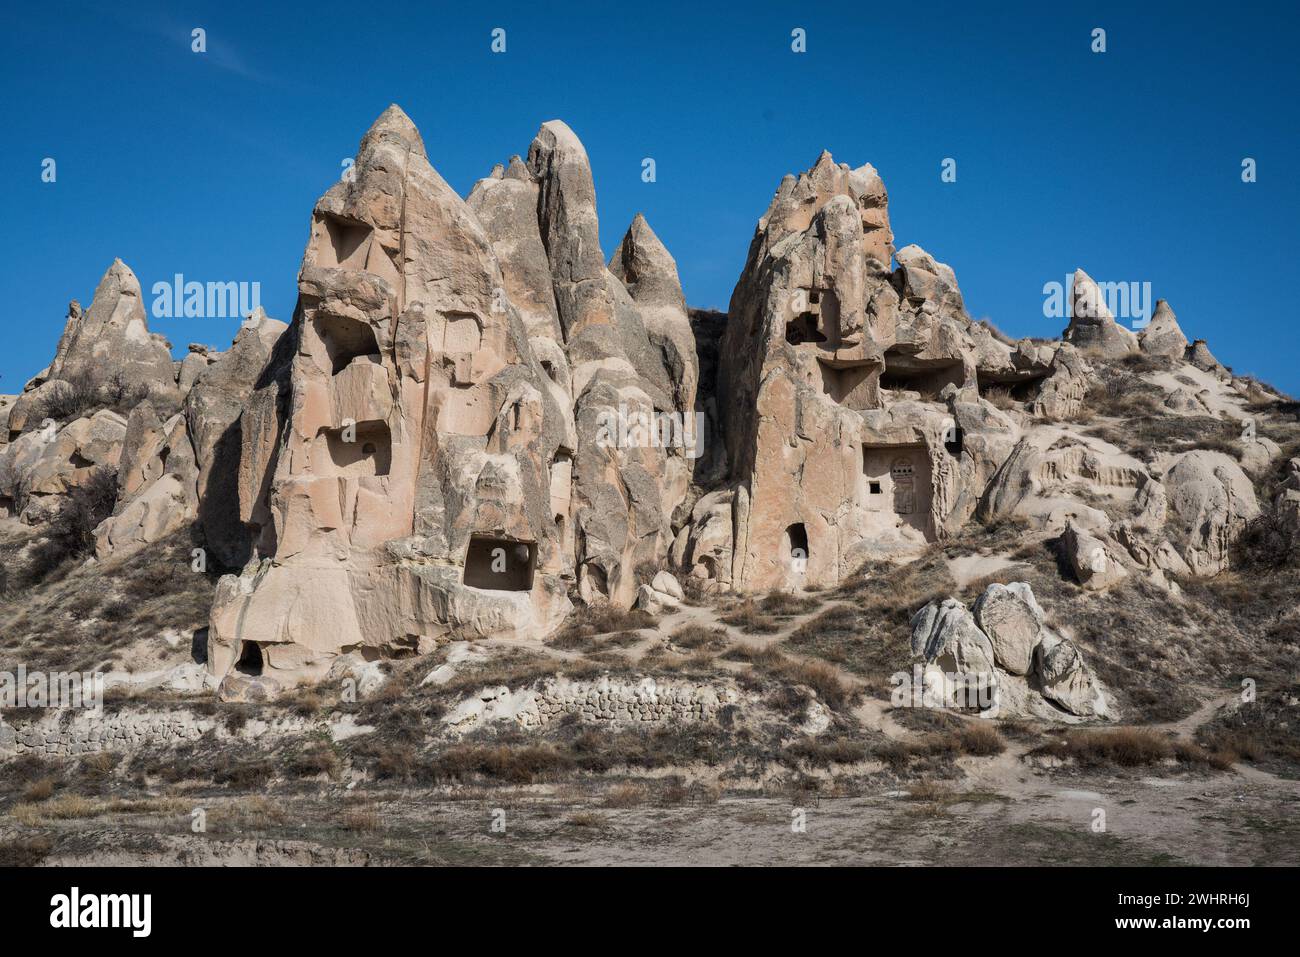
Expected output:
(795, 549)
(903, 373)
(848, 385)
(250, 659)
(500, 564)
(345, 245)
(803, 328)
(346, 339)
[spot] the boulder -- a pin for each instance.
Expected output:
(1094, 563)
(1065, 678)
(1214, 499)
(1010, 618)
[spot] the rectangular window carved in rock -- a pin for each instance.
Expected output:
(500, 564)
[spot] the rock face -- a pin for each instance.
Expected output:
(41, 467)
(474, 417)
(851, 392)
(214, 413)
(619, 360)
(106, 351)
(426, 484)
(1215, 499)
(1092, 326)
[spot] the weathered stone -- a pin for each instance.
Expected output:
(1012, 624)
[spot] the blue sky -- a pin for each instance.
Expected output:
(1126, 163)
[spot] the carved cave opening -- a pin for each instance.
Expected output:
(346, 246)
(500, 564)
(794, 548)
(369, 453)
(924, 376)
(250, 659)
(346, 339)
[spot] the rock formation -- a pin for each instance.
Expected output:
(475, 419)
(1162, 335)
(1092, 326)
(1006, 653)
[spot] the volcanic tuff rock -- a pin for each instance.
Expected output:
(474, 418)
(1091, 324)
(1010, 651)
(1162, 335)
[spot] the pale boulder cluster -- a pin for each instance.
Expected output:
(426, 452)
(1002, 658)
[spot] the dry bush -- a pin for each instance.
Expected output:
(823, 753)
(625, 795)
(25, 850)
(515, 764)
(591, 621)
(1122, 747)
(1269, 541)
(750, 618)
(40, 790)
(937, 750)
(695, 637)
(787, 604)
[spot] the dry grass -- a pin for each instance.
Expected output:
(938, 749)
(697, 637)
(25, 850)
(1120, 748)
(624, 796)
(588, 623)
(40, 790)
(71, 807)
(750, 618)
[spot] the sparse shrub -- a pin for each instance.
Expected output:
(1122, 747)
(625, 795)
(25, 850)
(40, 790)
(749, 618)
(821, 754)
(71, 533)
(1269, 541)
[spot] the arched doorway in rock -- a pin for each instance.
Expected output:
(250, 659)
(794, 549)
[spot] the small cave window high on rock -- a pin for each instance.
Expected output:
(346, 339)
(500, 564)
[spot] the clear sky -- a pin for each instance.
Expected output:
(1126, 163)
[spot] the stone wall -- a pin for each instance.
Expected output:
(602, 700)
